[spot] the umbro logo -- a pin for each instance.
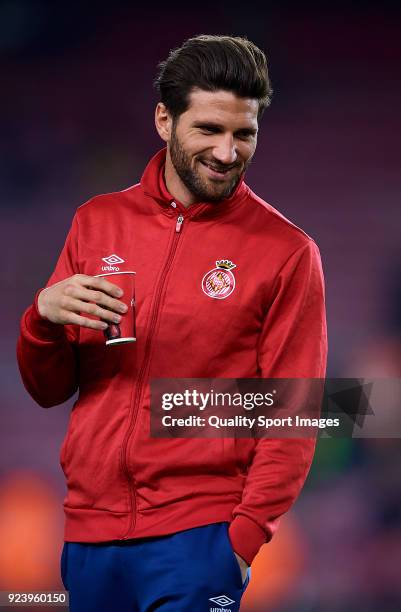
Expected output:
(221, 600)
(112, 260)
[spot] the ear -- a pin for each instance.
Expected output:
(163, 122)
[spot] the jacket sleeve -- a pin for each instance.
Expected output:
(293, 344)
(46, 351)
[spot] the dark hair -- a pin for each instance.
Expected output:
(212, 62)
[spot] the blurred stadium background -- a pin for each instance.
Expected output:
(77, 119)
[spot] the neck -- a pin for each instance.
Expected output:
(174, 184)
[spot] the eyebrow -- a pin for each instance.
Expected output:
(216, 126)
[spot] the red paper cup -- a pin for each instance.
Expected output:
(125, 331)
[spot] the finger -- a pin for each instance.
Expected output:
(77, 306)
(98, 297)
(76, 319)
(100, 283)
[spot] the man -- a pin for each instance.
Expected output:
(226, 287)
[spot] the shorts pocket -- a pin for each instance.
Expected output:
(235, 565)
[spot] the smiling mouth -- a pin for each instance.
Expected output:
(221, 172)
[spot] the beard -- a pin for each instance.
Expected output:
(202, 189)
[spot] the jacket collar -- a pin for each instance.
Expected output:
(153, 185)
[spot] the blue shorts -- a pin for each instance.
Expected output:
(193, 570)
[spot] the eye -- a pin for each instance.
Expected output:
(208, 130)
(246, 136)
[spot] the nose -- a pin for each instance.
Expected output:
(225, 151)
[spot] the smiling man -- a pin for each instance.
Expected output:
(226, 288)
(211, 145)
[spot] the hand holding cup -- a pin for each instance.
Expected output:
(67, 302)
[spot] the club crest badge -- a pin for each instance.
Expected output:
(219, 283)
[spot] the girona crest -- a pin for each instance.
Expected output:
(219, 283)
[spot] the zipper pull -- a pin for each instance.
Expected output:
(179, 223)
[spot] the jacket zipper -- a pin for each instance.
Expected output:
(179, 223)
(142, 372)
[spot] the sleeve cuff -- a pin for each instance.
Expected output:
(246, 537)
(39, 326)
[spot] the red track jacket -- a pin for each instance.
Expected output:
(271, 323)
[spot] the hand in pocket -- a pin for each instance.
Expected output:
(243, 566)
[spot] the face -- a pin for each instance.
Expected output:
(212, 143)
